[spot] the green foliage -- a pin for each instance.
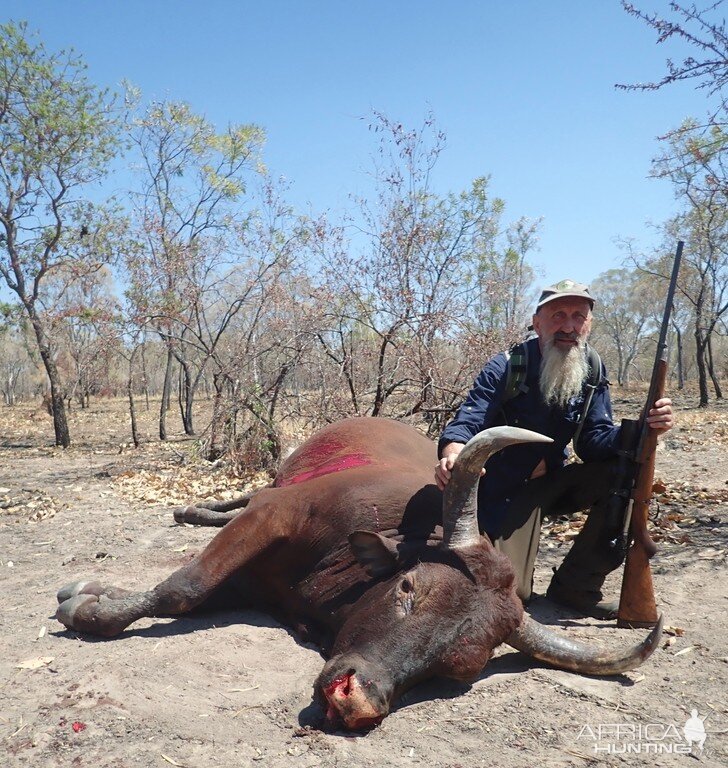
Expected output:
(57, 128)
(57, 132)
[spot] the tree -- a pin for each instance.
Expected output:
(15, 362)
(688, 162)
(190, 177)
(622, 313)
(421, 293)
(704, 32)
(57, 135)
(695, 160)
(81, 309)
(257, 330)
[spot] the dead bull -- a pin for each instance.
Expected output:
(354, 547)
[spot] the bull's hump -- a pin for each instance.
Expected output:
(331, 450)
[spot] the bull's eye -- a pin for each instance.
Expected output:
(405, 596)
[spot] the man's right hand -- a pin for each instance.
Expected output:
(443, 469)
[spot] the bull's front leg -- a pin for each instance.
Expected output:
(107, 611)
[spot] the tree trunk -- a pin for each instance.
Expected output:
(58, 408)
(702, 373)
(166, 389)
(60, 422)
(145, 378)
(216, 445)
(680, 363)
(186, 397)
(711, 369)
(132, 408)
(380, 394)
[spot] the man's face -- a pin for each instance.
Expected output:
(567, 321)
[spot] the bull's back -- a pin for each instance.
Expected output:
(389, 447)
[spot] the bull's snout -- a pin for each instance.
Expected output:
(353, 696)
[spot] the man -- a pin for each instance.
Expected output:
(523, 482)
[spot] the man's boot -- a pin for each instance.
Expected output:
(583, 595)
(577, 583)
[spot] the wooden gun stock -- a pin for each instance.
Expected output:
(637, 606)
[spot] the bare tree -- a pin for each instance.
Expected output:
(414, 275)
(191, 176)
(622, 312)
(262, 329)
(15, 362)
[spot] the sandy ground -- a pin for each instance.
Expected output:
(234, 689)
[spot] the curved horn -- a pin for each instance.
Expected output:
(460, 500)
(561, 652)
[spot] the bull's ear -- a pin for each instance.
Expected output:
(376, 553)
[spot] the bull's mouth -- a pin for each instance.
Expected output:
(351, 705)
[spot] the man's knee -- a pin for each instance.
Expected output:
(578, 487)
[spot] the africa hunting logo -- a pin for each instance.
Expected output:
(646, 738)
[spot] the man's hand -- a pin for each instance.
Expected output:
(444, 466)
(661, 416)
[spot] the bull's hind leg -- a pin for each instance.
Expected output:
(212, 513)
(106, 611)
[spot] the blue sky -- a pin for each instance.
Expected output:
(524, 91)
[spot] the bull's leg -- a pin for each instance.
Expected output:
(89, 607)
(212, 513)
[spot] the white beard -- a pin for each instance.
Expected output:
(563, 372)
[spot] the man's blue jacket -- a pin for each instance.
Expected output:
(508, 470)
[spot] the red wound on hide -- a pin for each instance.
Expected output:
(333, 465)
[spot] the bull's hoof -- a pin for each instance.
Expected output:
(180, 514)
(90, 614)
(89, 588)
(78, 613)
(77, 588)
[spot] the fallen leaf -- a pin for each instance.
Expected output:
(685, 650)
(37, 663)
(78, 726)
(172, 762)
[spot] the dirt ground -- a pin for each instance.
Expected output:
(234, 689)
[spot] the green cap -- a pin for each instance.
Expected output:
(562, 289)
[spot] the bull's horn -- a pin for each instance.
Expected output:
(460, 501)
(561, 652)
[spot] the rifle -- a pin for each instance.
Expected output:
(637, 600)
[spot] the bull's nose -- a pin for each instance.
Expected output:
(355, 703)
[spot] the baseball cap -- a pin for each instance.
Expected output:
(562, 289)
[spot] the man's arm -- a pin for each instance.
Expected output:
(600, 437)
(478, 412)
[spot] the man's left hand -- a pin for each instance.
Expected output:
(661, 416)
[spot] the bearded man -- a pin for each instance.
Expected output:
(523, 483)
